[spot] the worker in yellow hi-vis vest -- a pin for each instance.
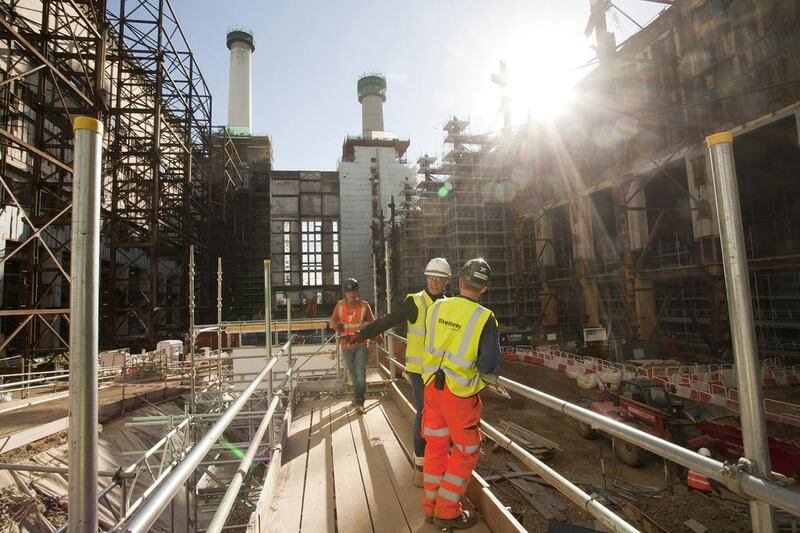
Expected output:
(461, 343)
(413, 310)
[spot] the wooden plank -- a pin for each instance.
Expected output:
(396, 463)
(493, 512)
(286, 506)
(352, 511)
(387, 513)
(258, 519)
(400, 416)
(29, 435)
(318, 507)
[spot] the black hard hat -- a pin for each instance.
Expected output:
(476, 271)
(350, 284)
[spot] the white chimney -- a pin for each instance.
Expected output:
(242, 45)
(372, 95)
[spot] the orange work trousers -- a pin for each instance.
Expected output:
(446, 471)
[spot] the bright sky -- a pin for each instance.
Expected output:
(437, 56)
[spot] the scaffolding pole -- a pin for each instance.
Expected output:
(84, 326)
(268, 331)
(740, 309)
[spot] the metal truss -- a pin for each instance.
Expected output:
(127, 62)
(50, 72)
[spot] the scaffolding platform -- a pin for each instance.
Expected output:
(345, 471)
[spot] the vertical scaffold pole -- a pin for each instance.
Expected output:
(740, 310)
(389, 340)
(84, 324)
(219, 322)
(268, 331)
(289, 353)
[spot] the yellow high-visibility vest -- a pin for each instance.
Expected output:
(415, 338)
(452, 337)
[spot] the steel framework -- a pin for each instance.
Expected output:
(128, 63)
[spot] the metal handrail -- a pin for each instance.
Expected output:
(734, 477)
(150, 510)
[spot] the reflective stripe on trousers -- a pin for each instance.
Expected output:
(436, 432)
(469, 449)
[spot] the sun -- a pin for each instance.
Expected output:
(540, 87)
(541, 72)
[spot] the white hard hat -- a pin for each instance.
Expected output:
(704, 452)
(438, 267)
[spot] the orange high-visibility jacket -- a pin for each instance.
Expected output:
(353, 316)
(698, 482)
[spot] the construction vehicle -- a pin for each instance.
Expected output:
(645, 405)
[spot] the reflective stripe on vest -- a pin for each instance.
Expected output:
(451, 342)
(356, 325)
(698, 481)
(415, 338)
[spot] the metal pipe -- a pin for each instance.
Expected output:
(163, 494)
(192, 393)
(268, 326)
(389, 340)
(219, 319)
(740, 310)
(375, 281)
(84, 324)
(559, 482)
(740, 482)
(289, 336)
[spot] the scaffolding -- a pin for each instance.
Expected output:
(129, 63)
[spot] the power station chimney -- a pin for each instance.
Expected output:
(242, 44)
(372, 95)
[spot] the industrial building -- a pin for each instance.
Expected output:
(215, 406)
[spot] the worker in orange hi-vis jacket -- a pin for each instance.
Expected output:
(699, 482)
(350, 316)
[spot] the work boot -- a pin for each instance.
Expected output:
(465, 520)
(418, 475)
(354, 403)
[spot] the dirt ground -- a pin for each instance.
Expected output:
(592, 462)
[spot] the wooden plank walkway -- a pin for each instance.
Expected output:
(348, 472)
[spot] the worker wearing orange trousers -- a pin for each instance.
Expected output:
(461, 343)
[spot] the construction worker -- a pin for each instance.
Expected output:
(349, 316)
(461, 343)
(699, 482)
(413, 311)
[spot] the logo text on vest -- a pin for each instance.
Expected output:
(449, 323)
